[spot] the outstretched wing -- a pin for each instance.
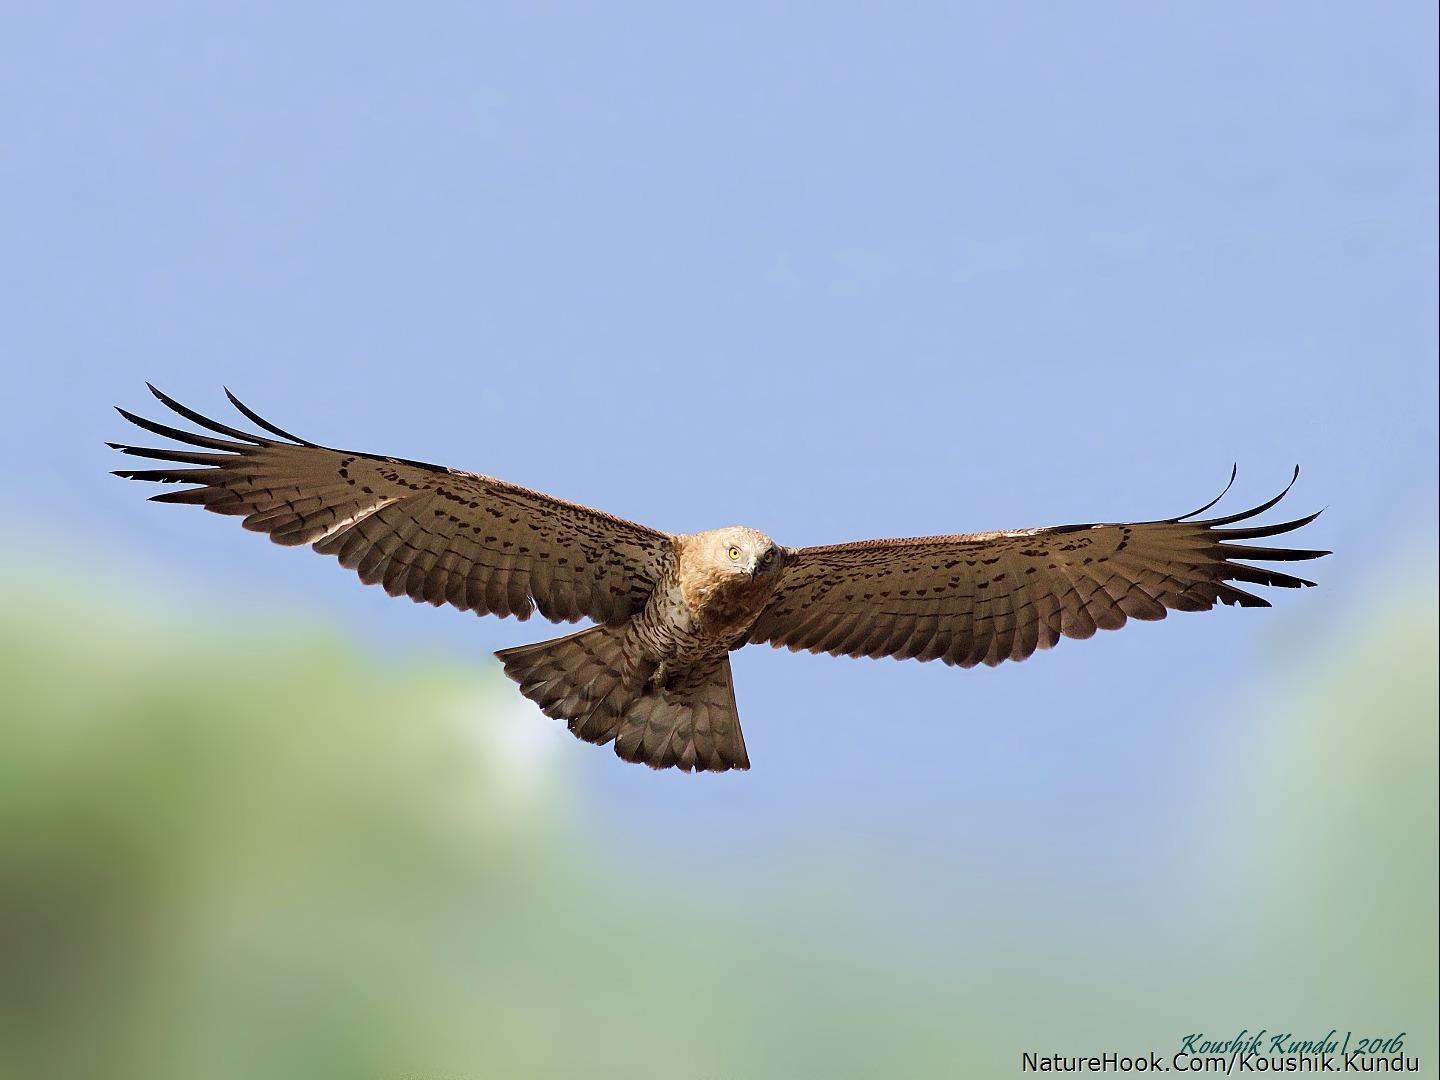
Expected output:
(990, 597)
(425, 531)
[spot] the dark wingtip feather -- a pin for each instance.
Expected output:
(255, 417)
(1229, 594)
(1256, 575)
(166, 476)
(1254, 511)
(1255, 532)
(204, 421)
(190, 457)
(1268, 554)
(1234, 471)
(191, 437)
(189, 496)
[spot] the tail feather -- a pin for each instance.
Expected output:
(580, 678)
(587, 680)
(691, 724)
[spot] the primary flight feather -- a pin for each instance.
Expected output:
(654, 675)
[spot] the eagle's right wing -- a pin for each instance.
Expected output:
(425, 531)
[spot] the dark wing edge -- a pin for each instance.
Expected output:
(229, 450)
(1226, 550)
(218, 458)
(1222, 548)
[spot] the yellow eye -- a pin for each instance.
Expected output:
(769, 557)
(734, 553)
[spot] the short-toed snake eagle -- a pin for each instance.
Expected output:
(654, 675)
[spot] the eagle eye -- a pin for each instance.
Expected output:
(768, 557)
(734, 552)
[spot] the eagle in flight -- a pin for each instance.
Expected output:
(653, 676)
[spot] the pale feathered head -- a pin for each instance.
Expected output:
(740, 550)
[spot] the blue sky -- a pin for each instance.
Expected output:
(835, 272)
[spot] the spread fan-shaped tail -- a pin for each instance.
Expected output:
(690, 723)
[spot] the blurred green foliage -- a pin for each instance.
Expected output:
(227, 852)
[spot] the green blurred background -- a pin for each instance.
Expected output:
(227, 853)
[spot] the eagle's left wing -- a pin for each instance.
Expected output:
(990, 597)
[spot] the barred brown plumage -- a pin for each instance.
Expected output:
(991, 597)
(654, 677)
